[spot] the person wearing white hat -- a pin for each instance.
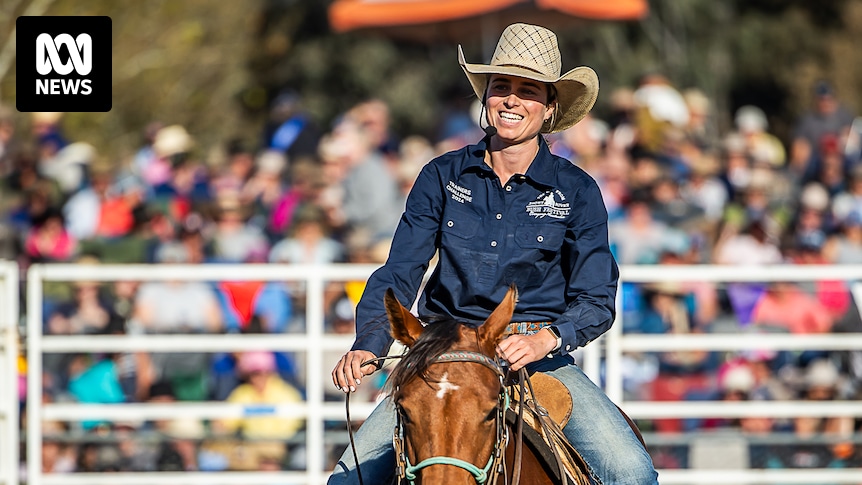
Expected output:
(500, 212)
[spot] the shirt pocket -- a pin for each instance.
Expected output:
(460, 224)
(544, 237)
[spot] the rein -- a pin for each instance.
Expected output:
(379, 362)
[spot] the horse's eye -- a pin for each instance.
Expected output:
(405, 418)
(491, 415)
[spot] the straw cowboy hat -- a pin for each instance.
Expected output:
(531, 52)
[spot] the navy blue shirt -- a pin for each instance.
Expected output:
(545, 231)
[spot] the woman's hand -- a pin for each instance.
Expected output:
(520, 350)
(349, 371)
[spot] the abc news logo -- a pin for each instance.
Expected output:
(63, 64)
(48, 61)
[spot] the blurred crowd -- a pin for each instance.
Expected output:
(679, 189)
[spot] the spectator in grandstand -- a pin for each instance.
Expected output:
(833, 294)
(265, 186)
(760, 145)
(120, 212)
(660, 109)
(25, 195)
(290, 129)
(786, 306)
(702, 188)
(176, 306)
(671, 208)
(262, 386)
(812, 214)
(821, 381)
(191, 235)
(305, 187)
(413, 153)
(638, 238)
(8, 139)
(90, 312)
(308, 241)
(833, 167)
(164, 307)
(828, 118)
(146, 154)
(669, 310)
(581, 144)
(94, 380)
(58, 457)
(845, 246)
(374, 118)
(372, 199)
(233, 236)
(253, 307)
(177, 450)
(83, 209)
(48, 240)
(701, 129)
(231, 175)
(849, 200)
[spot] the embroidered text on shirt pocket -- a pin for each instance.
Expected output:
(548, 237)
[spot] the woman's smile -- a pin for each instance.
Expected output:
(518, 107)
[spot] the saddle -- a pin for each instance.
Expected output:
(543, 424)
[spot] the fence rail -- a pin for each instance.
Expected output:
(608, 350)
(9, 295)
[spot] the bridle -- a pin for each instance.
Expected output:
(407, 471)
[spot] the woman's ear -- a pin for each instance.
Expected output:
(549, 111)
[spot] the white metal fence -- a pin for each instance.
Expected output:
(9, 294)
(314, 342)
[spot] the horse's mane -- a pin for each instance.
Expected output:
(438, 337)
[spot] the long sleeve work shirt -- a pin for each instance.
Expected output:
(544, 231)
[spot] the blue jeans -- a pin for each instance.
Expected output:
(596, 429)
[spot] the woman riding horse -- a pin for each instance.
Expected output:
(506, 211)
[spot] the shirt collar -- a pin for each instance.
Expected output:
(541, 171)
(476, 157)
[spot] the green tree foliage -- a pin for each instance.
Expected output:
(214, 66)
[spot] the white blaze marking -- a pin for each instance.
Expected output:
(445, 386)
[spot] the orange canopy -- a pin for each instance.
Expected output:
(345, 15)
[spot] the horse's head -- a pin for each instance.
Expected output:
(448, 391)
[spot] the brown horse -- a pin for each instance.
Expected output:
(450, 395)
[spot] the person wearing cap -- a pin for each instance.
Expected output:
(506, 211)
(827, 119)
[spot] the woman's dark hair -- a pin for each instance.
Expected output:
(552, 93)
(52, 212)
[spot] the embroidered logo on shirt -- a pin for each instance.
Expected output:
(459, 194)
(547, 206)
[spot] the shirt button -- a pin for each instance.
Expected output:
(508, 188)
(568, 347)
(499, 216)
(450, 223)
(493, 244)
(540, 238)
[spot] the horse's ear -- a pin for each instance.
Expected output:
(405, 327)
(491, 332)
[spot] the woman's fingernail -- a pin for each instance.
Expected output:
(358, 381)
(352, 389)
(338, 387)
